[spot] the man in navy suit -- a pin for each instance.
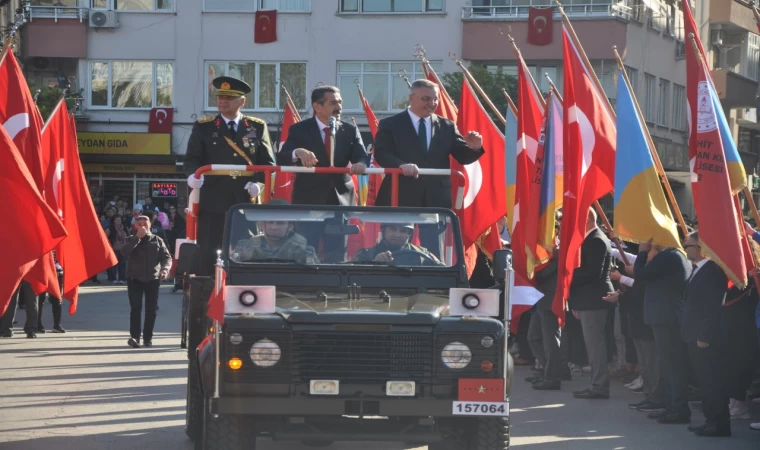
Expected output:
(705, 295)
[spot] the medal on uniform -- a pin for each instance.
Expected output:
(246, 144)
(215, 134)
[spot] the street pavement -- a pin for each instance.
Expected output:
(87, 389)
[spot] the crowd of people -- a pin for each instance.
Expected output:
(664, 321)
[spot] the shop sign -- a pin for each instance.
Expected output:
(124, 143)
(129, 168)
(164, 190)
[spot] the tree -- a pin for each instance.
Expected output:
(48, 97)
(491, 82)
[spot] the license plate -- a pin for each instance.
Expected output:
(480, 409)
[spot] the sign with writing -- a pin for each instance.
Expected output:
(130, 168)
(164, 190)
(124, 143)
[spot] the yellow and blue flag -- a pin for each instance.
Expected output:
(510, 138)
(641, 210)
(736, 173)
(553, 176)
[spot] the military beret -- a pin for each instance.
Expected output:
(231, 87)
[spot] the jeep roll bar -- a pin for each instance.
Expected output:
(239, 170)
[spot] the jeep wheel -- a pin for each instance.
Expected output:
(226, 432)
(482, 433)
(194, 405)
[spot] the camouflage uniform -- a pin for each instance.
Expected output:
(369, 254)
(293, 247)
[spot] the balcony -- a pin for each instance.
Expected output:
(592, 9)
(58, 10)
(735, 90)
(732, 13)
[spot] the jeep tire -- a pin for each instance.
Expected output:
(227, 432)
(482, 433)
(194, 406)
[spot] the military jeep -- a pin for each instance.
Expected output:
(397, 349)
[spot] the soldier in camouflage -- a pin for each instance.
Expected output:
(278, 241)
(395, 237)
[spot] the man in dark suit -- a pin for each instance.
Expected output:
(591, 283)
(309, 144)
(228, 138)
(665, 272)
(417, 138)
(700, 329)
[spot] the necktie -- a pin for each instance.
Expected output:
(422, 134)
(231, 124)
(328, 141)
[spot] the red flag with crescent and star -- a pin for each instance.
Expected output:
(265, 30)
(540, 26)
(161, 120)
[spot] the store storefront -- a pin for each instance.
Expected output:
(132, 166)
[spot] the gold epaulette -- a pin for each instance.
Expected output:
(206, 119)
(255, 119)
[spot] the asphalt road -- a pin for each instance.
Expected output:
(87, 390)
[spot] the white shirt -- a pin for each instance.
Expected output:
(617, 254)
(227, 122)
(698, 266)
(321, 132)
(428, 125)
(590, 231)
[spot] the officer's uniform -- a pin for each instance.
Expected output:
(369, 254)
(209, 145)
(294, 247)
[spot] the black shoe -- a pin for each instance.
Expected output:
(674, 417)
(58, 329)
(41, 329)
(651, 407)
(147, 343)
(133, 343)
(638, 405)
(714, 431)
(548, 385)
(566, 377)
(695, 428)
(31, 335)
(658, 414)
(534, 379)
(7, 334)
(592, 395)
(21, 306)
(536, 370)
(585, 391)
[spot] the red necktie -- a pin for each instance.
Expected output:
(328, 142)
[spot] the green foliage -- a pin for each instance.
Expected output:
(491, 82)
(48, 98)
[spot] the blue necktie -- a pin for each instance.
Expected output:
(422, 134)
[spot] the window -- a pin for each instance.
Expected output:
(266, 79)
(391, 6)
(753, 56)
(633, 77)
(538, 73)
(650, 108)
(663, 110)
(253, 5)
(383, 88)
(131, 84)
(135, 5)
(66, 3)
(679, 103)
(606, 71)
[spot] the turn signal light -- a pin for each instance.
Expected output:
(486, 366)
(235, 363)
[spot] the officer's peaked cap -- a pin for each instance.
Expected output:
(231, 87)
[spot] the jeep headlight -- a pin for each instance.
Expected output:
(456, 355)
(265, 353)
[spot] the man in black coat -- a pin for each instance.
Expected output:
(700, 330)
(418, 139)
(591, 283)
(665, 272)
(228, 138)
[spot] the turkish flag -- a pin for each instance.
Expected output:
(589, 160)
(216, 302)
(481, 390)
(265, 30)
(23, 123)
(37, 230)
(161, 120)
(374, 180)
(523, 297)
(283, 181)
(86, 252)
(485, 199)
(540, 22)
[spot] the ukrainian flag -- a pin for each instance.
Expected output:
(641, 210)
(736, 173)
(553, 178)
(510, 138)
(362, 188)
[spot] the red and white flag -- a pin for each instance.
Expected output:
(86, 251)
(161, 120)
(523, 297)
(215, 308)
(283, 181)
(589, 159)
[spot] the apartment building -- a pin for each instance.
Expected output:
(129, 56)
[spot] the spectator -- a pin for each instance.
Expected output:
(117, 235)
(54, 302)
(176, 229)
(155, 226)
(148, 262)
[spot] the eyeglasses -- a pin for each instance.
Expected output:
(691, 245)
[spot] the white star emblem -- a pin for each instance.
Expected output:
(481, 389)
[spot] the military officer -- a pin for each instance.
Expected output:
(227, 138)
(277, 241)
(395, 237)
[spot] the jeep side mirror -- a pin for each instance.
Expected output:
(501, 259)
(187, 259)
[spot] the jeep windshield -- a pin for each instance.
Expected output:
(322, 237)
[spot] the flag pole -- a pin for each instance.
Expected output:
(402, 74)
(292, 104)
(61, 101)
(509, 100)
(556, 91)
(522, 62)
(752, 206)
(480, 91)
(652, 149)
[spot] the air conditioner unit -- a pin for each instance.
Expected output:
(716, 37)
(104, 19)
